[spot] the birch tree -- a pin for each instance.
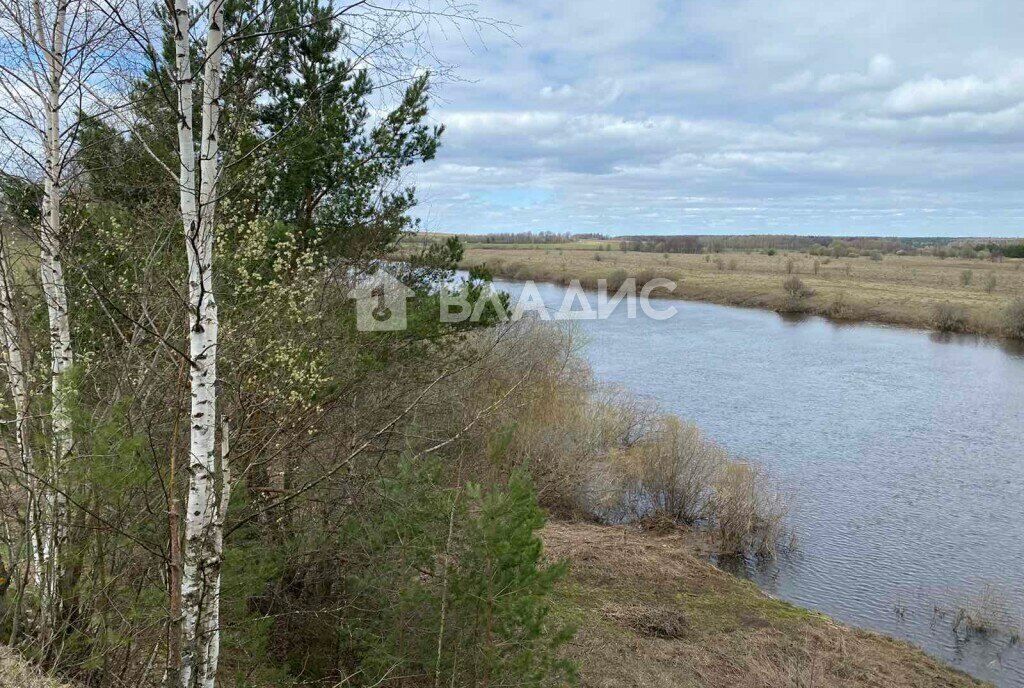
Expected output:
(204, 516)
(246, 51)
(49, 50)
(17, 376)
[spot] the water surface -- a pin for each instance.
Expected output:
(903, 450)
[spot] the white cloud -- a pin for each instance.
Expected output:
(732, 115)
(880, 71)
(801, 81)
(965, 93)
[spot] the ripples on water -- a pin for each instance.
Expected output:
(903, 450)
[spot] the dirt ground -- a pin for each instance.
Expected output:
(652, 613)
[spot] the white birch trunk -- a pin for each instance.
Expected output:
(211, 629)
(203, 520)
(55, 293)
(15, 366)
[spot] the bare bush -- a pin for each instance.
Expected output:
(1013, 318)
(617, 279)
(598, 451)
(986, 612)
(990, 283)
(748, 514)
(949, 317)
(644, 276)
(671, 473)
(840, 308)
(557, 422)
(795, 288)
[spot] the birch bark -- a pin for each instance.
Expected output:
(15, 366)
(203, 519)
(51, 271)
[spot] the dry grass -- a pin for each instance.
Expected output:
(17, 673)
(900, 290)
(652, 613)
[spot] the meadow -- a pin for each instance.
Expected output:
(971, 295)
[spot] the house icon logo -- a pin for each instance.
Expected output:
(381, 303)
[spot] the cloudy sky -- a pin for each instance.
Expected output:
(881, 117)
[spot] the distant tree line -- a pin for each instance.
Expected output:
(531, 238)
(839, 247)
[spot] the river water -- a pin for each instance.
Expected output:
(902, 451)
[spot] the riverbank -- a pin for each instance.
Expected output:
(961, 295)
(651, 612)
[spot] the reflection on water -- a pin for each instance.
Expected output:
(903, 449)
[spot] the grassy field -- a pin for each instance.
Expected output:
(953, 294)
(652, 613)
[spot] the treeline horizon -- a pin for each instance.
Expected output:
(761, 240)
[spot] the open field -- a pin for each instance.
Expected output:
(954, 294)
(651, 613)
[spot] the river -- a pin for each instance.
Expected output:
(902, 451)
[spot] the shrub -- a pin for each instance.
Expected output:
(839, 308)
(966, 277)
(671, 473)
(732, 264)
(600, 452)
(790, 266)
(875, 256)
(616, 279)
(796, 288)
(502, 630)
(948, 317)
(990, 283)
(645, 276)
(434, 583)
(987, 612)
(1013, 318)
(748, 514)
